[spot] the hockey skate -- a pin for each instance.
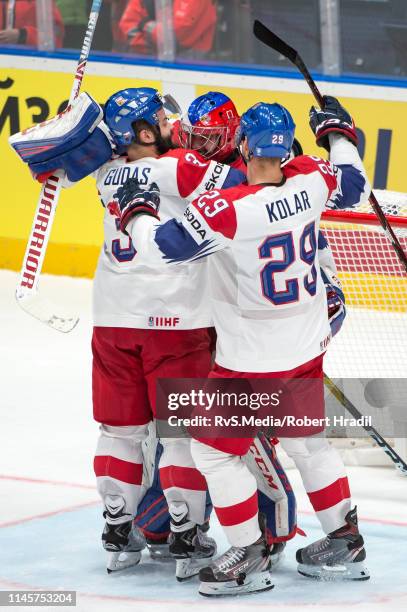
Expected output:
(238, 571)
(188, 543)
(338, 556)
(122, 540)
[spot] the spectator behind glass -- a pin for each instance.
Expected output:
(75, 17)
(19, 25)
(107, 36)
(119, 39)
(194, 26)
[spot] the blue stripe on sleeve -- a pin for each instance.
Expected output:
(177, 245)
(352, 185)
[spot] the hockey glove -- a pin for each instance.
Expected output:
(136, 200)
(336, 302)
(333, 118)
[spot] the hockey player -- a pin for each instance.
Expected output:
(148, 324)
(271, 300)
(210, 129)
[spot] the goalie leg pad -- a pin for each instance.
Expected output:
(275, 495)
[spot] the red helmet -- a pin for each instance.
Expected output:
(210, 126)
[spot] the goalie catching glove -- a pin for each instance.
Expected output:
(75, 141)
(133, 200)
(332, 119)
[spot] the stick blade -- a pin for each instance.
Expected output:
(270, 39)
(43, 310)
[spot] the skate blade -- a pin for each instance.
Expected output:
(117, 561)
(347, 571)
(159, 553)
(187, 568)
(254, 583)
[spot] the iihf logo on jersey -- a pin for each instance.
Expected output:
(163, 321)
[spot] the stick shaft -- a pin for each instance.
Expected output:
(49, 196)
(373, 433)
(270, 39)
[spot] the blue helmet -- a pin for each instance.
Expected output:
(128, 105)
(269, 129)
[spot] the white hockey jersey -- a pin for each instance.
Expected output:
(269, 301)
(130, 293)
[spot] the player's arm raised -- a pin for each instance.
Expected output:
(345, 175)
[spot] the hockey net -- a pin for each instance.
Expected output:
(373, 340)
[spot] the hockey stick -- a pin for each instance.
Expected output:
(270, 39)
(27, 290)
(373, 433)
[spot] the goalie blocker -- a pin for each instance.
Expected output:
(76, 141)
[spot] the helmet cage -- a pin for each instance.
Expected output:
(209, 141)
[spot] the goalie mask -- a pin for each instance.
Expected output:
(210, 126)
(269, 130)
(127, 106)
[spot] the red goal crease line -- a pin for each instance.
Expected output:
(57, 483)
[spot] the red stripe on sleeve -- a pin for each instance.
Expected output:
(191, 169)
(239, 513)
(183, 477)
(331, 495)
(104, 465)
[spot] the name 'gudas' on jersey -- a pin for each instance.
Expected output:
(129, 292)
(269, 301)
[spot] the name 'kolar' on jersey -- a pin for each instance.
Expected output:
(281, 209)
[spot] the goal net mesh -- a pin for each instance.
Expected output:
(373, 340)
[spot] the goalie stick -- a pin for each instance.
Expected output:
(27, 295)
(373, 433)
(270, 39)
